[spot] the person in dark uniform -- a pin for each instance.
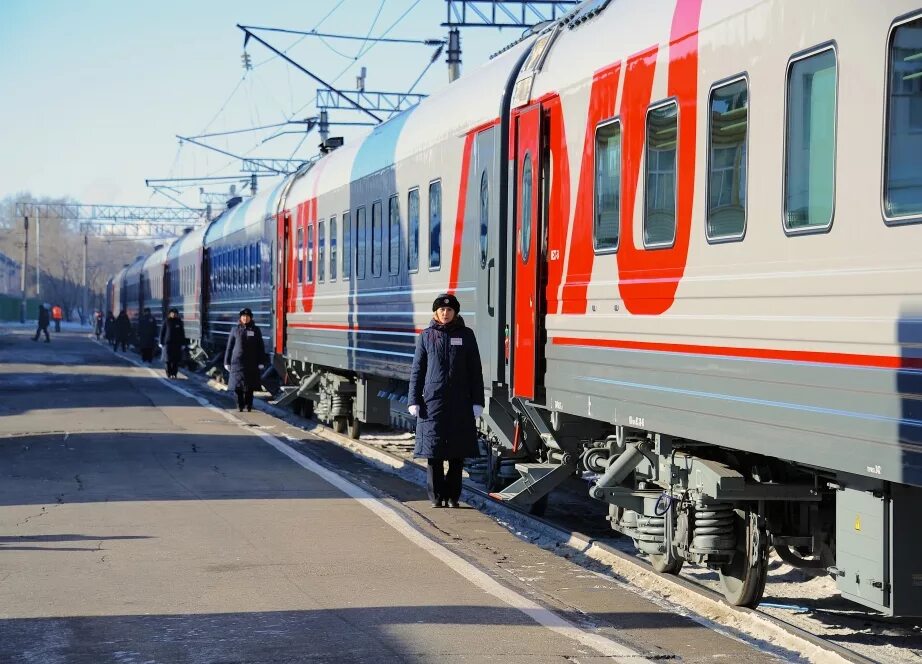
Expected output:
(244, 359)
(109, 328)
(147, 335)
(122, 331)
(97, 324)
(446, 396)
(172, 338)
(44, 319)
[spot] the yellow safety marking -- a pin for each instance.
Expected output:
(858, 523)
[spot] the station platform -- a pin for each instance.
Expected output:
(143, 520)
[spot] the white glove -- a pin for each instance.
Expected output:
(478, 410)
(414, 410)
(227, 367)
(261, 366)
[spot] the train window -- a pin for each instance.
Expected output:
(606, 224)
(259, 264)
(393, 237)
(435, 225)
(300, 255)
(321, 249)
(660, 183)
(484, 217)
(727, 153)
(902, 176)
(525, 230)
(360, 243)
(810, 143)
(377, 241)
(347, 246)
(413, 230)
(310, 253)
(241, 269)
(332, 248)
(252, 266)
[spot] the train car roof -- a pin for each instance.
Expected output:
(191, 241)
(158, 256)
(135, 267)
(473, 100)
(251, 212)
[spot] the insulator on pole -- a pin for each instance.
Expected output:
(453, 56)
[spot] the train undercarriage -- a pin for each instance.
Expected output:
(679, 501)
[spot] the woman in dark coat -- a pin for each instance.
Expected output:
(122, 331)
(172, 338)
(147, 336)
(446, 396)
(244, 359)
(110, 328)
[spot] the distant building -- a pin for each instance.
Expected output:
(9, 276)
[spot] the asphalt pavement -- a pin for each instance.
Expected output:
(138, 523)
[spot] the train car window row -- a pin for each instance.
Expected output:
(902, 188)
(607, 217)
(377, 241)
(435, 225)
(310, 254)
(361, 242)
(300, 256)
(333, 248)
(413, 230)
(810, 142)
(321, 250)
(393, 238)
(347, 246)
(727, 160)
(231, 269)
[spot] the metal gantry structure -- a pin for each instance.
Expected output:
(132, 221)
(504, 13)
(388, 102)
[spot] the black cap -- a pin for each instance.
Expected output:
(447, 300)
(246, 312)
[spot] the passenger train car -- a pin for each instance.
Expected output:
(686, 234)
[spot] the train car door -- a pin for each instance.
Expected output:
(483, 214)
(283, 251)
(527, 252)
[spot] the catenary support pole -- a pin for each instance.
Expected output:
(25, 268)
(86, 286)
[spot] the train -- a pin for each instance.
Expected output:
(685, 233)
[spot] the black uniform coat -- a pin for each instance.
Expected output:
(147, 332)
(172, 338)
(245, 352)
(43, 318)
(123, 328)
(110, 328)
(445, 382)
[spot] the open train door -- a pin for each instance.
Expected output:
(282, 287)
(528, 232)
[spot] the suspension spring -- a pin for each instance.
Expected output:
(651, 533)
(713, 528)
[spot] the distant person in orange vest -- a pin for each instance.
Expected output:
(57, 314)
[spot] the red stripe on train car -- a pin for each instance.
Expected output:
(813, 357)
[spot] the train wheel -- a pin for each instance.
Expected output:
(355, 428)
(743, 579)
(339, 425)
(663, 565)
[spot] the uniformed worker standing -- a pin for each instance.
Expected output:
(446, 396)
(172, 339)
(147, 335)
(244, 359)
(122, 331)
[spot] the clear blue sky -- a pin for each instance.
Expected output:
(95, 90)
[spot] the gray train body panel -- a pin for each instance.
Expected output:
(852, 419)
(237, 271)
